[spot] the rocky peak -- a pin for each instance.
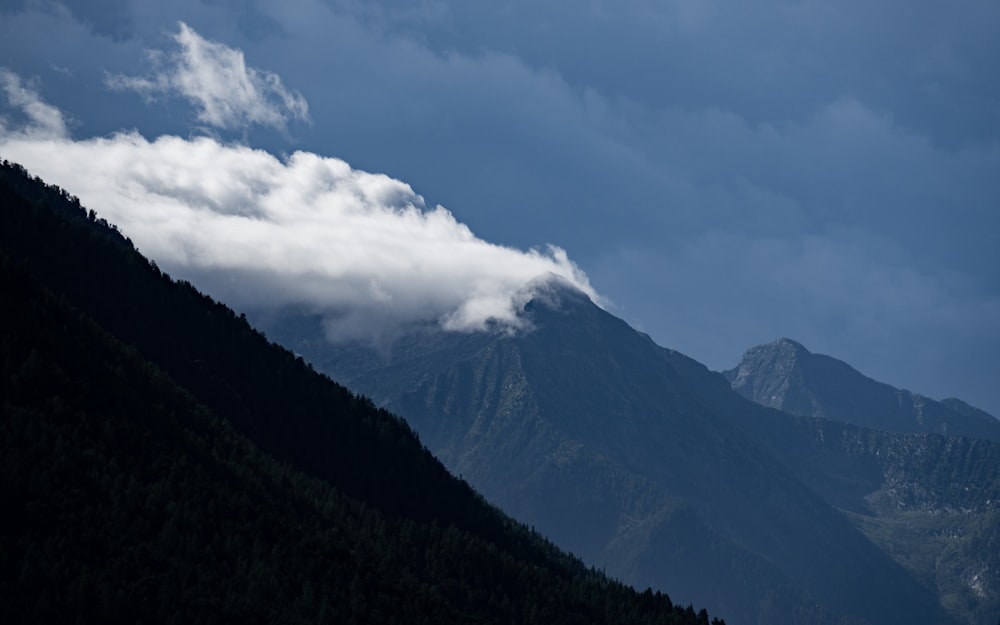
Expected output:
(768, 372)
(785, 375)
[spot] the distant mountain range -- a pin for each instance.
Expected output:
(162, 462)
(646, 463)
(786, 376)
(930, 501)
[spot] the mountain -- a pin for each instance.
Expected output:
(633, 456)
(786, 376)
(161, 462)
(929, 501)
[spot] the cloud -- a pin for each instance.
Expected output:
(44, 120)
(215, 77)
(637, 127)
(257, 231)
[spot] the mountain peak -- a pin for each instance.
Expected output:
(767, 373)
(554, 292)
(785, 342)
(785, 375)
(779, 357)
(783, 347)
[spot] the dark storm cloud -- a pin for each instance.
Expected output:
(727, 173)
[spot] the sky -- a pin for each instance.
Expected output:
(719, 174)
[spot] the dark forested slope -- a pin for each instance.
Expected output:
(162, 462)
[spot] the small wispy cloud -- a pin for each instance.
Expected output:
(44, 120)
(216, 79)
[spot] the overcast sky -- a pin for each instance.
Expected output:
(722, 173)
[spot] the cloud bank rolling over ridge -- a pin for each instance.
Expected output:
(260, 231)
(726, 174)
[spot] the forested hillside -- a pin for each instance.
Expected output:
(163, 462)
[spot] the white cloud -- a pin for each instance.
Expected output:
(44, 120)
(215, 77)
(757, 121)
(258, 231)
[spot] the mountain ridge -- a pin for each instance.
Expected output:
(558, 422)
(784, 374)
(666, 409)
(136, 413)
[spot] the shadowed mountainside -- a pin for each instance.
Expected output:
(929, 501)
(602, 440)
(163, 462)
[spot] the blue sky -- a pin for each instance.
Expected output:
(720, 173)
